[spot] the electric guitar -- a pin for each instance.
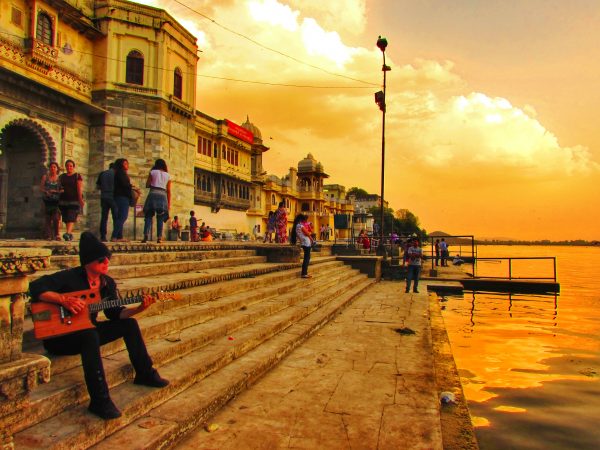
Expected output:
(53, 320)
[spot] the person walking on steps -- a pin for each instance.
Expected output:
(302, 234)
(93, 274)
(415, 261)
(158, 200)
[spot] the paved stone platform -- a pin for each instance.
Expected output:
(365, 381)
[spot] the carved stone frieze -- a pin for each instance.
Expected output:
(44, 59)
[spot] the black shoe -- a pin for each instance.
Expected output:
(145, 239)
(151, 380)
(406, 291)
(104, 408)
(415, 291)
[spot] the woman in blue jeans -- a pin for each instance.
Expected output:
(122, 196)
(159, 199)
(301, 233)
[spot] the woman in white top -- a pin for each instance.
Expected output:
(301, 233)
(159, 199)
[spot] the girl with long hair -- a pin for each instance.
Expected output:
(158, 201)
(301, 233)
(122, 195)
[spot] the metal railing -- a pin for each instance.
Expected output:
(510, 260)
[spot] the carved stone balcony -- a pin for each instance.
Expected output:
(41, 53)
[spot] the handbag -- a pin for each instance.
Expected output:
(135, 196)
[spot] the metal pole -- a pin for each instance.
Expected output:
(383, 158)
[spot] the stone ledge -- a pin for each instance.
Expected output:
(278, 253)
(369, 265)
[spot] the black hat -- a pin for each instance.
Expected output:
(91, 249)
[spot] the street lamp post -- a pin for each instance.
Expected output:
(380, 100)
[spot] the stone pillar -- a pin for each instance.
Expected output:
(19, 372)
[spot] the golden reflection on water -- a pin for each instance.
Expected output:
(522, 342)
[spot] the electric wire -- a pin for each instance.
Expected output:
(271, 49)
(82, 52)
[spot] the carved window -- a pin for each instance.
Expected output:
(134, 71)
(16, 17)
(178, 83)
(44, 29)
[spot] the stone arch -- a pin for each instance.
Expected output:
(25, 149)
(42, 136)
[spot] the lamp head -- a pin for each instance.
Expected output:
(382, 43)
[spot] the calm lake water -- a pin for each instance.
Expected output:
(530, 364)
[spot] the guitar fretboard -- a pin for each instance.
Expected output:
(113, 303)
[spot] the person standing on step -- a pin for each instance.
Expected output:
(281, 224)
(302, 234)
(444, 252)
(415, 261)
(158, 200)
(176, 228)
(94, 257)
(50, 186)
(122, 195)
(270, 226)
(194, 236)
(437, 252)
(70, 200)
(106, 184)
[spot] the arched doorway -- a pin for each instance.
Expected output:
(25, 148)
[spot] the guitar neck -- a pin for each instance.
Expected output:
(104, 304)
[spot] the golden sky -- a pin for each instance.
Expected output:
(491, 124)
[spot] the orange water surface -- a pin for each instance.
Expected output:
(530, 364)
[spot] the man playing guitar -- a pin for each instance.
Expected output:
(92, 274)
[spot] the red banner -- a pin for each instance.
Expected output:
(239, 132)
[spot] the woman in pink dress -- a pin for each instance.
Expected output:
(281, 224)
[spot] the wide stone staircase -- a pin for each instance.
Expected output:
(228, 317)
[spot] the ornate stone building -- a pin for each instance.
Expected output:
(91, 81)
(96, 80)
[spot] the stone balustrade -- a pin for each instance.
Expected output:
(19, 372)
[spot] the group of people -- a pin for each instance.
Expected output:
(117, 195)
(63, 198)
(441, 252)
(277, 223)
(197, 233)
(324, 232)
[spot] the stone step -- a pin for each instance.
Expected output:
(75, 428)
(172, 336)
(177, 281)
(209, 301)
(163, 426)
(124, 259)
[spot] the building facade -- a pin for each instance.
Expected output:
(97, 80)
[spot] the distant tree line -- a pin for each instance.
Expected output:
(580, 242)
(401, 221)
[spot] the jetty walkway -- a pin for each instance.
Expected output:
(254, 353)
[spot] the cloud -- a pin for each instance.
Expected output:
(476, 133)
(449, 148)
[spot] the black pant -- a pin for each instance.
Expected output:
(106, 205)
(306, 260)
(88, 342)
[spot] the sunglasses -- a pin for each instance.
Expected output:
(101, 260)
